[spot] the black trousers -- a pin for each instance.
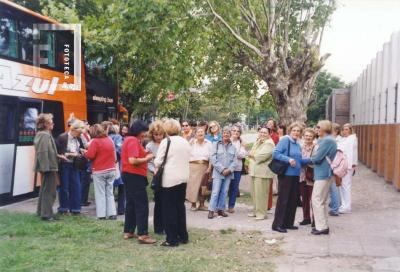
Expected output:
(121, 199)
(85, 185)
(157, 217)
(174, 213)
(286, 205)
(137, 204)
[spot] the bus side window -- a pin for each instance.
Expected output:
(8, 37)
(25, 33)
(28, 113)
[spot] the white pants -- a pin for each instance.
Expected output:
(320, 204)
(345, 191)
(103, 193)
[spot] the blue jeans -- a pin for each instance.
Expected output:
(334, 195)
(218, 194)
(234, 188)
(69, 192)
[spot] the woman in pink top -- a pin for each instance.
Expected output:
(101, 152)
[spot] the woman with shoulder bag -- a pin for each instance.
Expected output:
(307, 175)
(68, 147)
(288, 151)
(173, 185)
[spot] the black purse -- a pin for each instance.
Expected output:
(80, 162)
(279, 167)
(156, 182)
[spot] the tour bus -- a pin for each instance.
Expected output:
(27, 90)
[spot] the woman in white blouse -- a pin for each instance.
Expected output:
(175, 177)
(199, 165)
(350, 146)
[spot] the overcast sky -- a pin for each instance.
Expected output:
(357, 31)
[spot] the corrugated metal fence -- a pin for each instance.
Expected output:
(375, 113)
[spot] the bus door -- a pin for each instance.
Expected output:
(24, 176)
(8, 117)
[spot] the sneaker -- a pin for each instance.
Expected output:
(341, 210)
(251, 215)
(331, 213)
(231, 210)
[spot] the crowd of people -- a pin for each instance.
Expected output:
(200, 161)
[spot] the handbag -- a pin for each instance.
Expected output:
(156, 182)
(309, 172)
(205, 182)
(80, 162)
(279, 167)
(245, 168)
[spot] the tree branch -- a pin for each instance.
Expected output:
(236, 35)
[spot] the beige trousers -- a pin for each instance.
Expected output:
(259, 194)
(320, 203)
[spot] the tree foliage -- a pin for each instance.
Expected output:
(279, 41)
(324, 85)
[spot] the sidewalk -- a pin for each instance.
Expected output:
(368, 239)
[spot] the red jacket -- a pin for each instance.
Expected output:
(101, 152)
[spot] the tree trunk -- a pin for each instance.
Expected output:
(293, 105)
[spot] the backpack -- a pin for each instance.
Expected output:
(339, 164)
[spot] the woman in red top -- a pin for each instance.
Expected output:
(134, 160)
(271, 124)
(101, 152)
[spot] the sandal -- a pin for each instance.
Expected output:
(166, 244)
(145, 239)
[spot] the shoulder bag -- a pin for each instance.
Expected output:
(279, 167)
(156, 182)
(309, 172)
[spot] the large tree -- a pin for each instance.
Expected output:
(279, 40)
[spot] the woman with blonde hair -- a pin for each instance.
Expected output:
(199, 165)
(327, 147)
(350, 149)
(101, 153)
(175, 177)
(213, 134)
(46, 163)
(261, 176)
(156, 134)
(307, 182)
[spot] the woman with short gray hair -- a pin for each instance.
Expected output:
(223, 159)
